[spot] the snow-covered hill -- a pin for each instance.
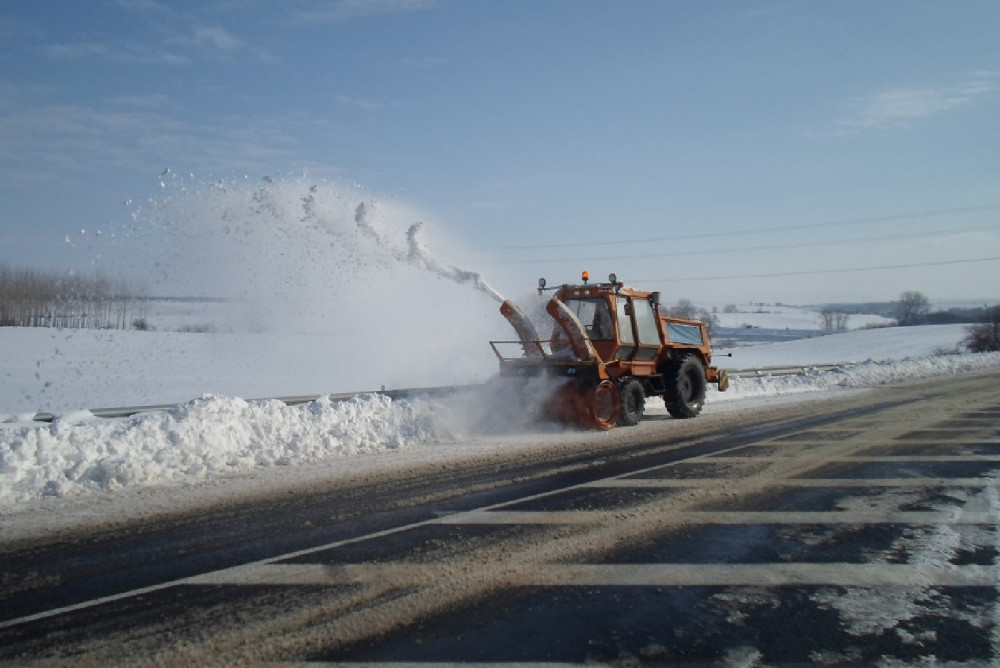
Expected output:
(883, 344)
(785, 317)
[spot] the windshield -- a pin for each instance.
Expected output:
(595, 316)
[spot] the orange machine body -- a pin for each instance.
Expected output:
(613, 347)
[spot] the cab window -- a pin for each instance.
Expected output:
(645, 322)
(595, 316)
(624, 323)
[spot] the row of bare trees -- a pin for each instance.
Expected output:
(833, 320)
(32, 298)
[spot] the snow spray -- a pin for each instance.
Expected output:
(237, 239)
(299, 255)
(418, 255)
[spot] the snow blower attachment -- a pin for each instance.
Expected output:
(610, 348)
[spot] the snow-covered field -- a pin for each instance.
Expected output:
(217, 429)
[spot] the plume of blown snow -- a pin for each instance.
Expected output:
(298, 255)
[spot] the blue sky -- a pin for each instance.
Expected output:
(720, 151)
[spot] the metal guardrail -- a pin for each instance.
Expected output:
(128, 411)
(797, 370)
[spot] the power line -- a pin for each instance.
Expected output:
(813, 272)
(930, 213)
(620, 211)
(749, 249)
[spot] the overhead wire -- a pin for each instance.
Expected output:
(813, 272)
(619, 211)
(767, 247)
(866, 220)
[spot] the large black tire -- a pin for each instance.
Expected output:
(633, 403)
(686, 386)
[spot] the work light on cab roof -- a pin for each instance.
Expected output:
(611, 347)
(584, 277)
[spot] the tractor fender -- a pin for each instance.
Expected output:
(575, 331)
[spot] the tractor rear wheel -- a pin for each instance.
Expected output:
(686, 386)
(633, 403)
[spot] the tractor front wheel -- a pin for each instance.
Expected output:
(633, 403)
(686, 386)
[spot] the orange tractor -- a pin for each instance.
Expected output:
(611, 347)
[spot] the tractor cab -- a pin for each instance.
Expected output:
(621, 323)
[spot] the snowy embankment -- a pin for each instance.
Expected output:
(218, 435)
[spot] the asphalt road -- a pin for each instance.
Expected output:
(856, 531)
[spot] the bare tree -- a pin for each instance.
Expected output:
(826, 318)
(833, 321)
(912, 308)
(984, 336)
(683, 309)
(710, 319)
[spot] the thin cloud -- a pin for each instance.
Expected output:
(53, 138)
(131, 54)
(903, 107)
(366, 105)
(13, 29)
(52, 142)
(425, 63)
(213, 41)
(183, 32)
(208, 40)
(77, 51)
(340, 11)
(151, 101)
(143, 6)
(217, 38)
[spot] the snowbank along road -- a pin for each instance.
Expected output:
(853, 531)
